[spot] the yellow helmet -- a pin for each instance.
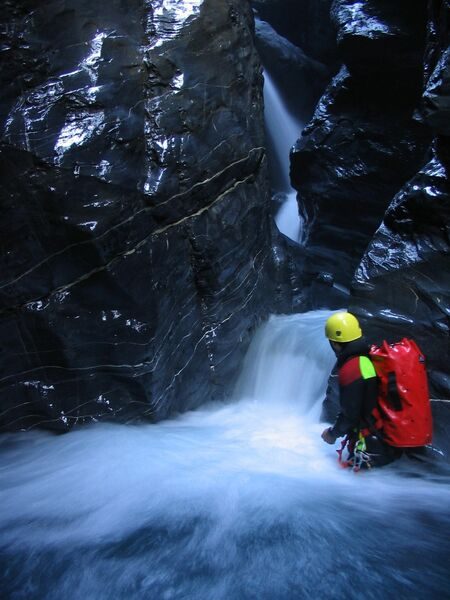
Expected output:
(342, 327)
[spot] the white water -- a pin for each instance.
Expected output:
(283, 130)
(241, 500)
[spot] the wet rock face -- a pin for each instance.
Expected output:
(360, 147)
(305, 23)
(363, 142)
(380, 35)
(402, 287)
(436, 97)
(406, 265)
(372, 169)
(404, 278)
(299, 78)
(296, 42)
(135, 233)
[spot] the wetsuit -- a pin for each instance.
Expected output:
(358, 388)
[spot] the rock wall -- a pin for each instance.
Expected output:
(136, 242)
(295, 40)
(363, 142)
(305, 23)
(372, 171)
(299, 78)
(404, 277)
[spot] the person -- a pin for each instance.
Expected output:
(358, 390)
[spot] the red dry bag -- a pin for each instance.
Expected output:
(403, 401)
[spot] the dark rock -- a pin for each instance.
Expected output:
(380, 36)
(367, 175)
(361, 146)
(402, 287)
(288, 291)
(136, 232)
(437, 96)
(441, 429)
(438, 34)
(300, 79)
(305, 23)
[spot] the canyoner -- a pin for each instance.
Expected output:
(383, 394)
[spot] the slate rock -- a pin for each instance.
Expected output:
(402, 286)
(136, 233)
(380, 36)
(305, 23)
(299, 79)
(360, 147)
(437, 97)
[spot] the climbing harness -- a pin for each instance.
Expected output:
(357, 450)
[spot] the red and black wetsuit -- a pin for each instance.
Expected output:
(358, 389)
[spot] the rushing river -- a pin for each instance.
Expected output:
(235, 501)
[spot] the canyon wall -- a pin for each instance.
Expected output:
(136, 241)
(372, 172)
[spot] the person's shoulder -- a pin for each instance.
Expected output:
(350, 370)
(366, 367)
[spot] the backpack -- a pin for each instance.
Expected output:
(403, 407)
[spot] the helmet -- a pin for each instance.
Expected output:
(342, 327)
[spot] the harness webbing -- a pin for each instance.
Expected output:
(358, 456)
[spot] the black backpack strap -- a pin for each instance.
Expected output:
(393, 397)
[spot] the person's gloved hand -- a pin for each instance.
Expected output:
(327, 436)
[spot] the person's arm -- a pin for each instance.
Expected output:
(351, 390)
(349, 417)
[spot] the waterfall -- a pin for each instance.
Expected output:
(236, 500)
(288, 364)
(283, 130)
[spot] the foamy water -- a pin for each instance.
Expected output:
(237, 500)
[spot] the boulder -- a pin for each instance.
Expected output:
(136, 235)
(380, 36)
(305, 23)
(360, 147)
(436, 97)
(402, 286)
(405, 270)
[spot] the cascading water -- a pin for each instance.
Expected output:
(283, 131)
(235, 501)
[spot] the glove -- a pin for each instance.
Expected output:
(327, 436)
